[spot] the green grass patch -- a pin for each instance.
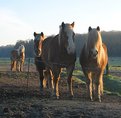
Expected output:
(112, 84)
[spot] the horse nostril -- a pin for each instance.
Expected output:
(96, 51)
(90, 52)
(95, 54)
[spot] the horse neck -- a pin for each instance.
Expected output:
(100, 40)
(61, 44)
(21, 54)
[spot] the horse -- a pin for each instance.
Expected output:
(44, 75)
(17, 58)
(93, 59)
(59, 52)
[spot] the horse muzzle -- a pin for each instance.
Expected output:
(38, 53)
(93, 54)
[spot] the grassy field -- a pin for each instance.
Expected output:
(112, 82)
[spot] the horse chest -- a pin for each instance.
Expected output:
(92, 66)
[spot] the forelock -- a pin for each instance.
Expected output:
(93, 34)
(68, 27)
(37, 37)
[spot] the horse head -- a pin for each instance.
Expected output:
(21, 48)
(94, 42)
(66, 37)
(38, 39)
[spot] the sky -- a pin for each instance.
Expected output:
(20, 18)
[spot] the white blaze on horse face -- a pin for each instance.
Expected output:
(71, 46)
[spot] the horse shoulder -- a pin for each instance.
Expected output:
(104, 47)
(49, 47)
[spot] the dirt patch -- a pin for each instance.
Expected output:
(21, 98)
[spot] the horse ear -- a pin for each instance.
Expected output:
(42, 34)
(63, 25)
(89, 29)
(35, 33)
(73, 24)
(98, 28)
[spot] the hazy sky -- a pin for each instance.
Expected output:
(20, 18)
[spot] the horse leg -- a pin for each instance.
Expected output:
(94, 88)
(56, 91)
(41, 77)
(56, 73)
(90, 90)
(15, 65)
(18, 65)
(49, 79)
(12, 65)
(100, 86)
(69, 79)
(21, 66)
(89, 85)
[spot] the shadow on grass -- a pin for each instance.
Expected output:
(112, 84)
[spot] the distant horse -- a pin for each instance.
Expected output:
(93, 60)
(44, 75)
(59, 52)
(17, 58)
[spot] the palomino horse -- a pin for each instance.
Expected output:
(59, 52)
(44, 75)
(93, 60)
(17, 58)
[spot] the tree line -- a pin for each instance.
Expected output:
(112, 39)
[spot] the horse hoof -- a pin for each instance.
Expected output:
(57, 97)
(99, 97)
(100, 100)
(91, 99)
(71, 97)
